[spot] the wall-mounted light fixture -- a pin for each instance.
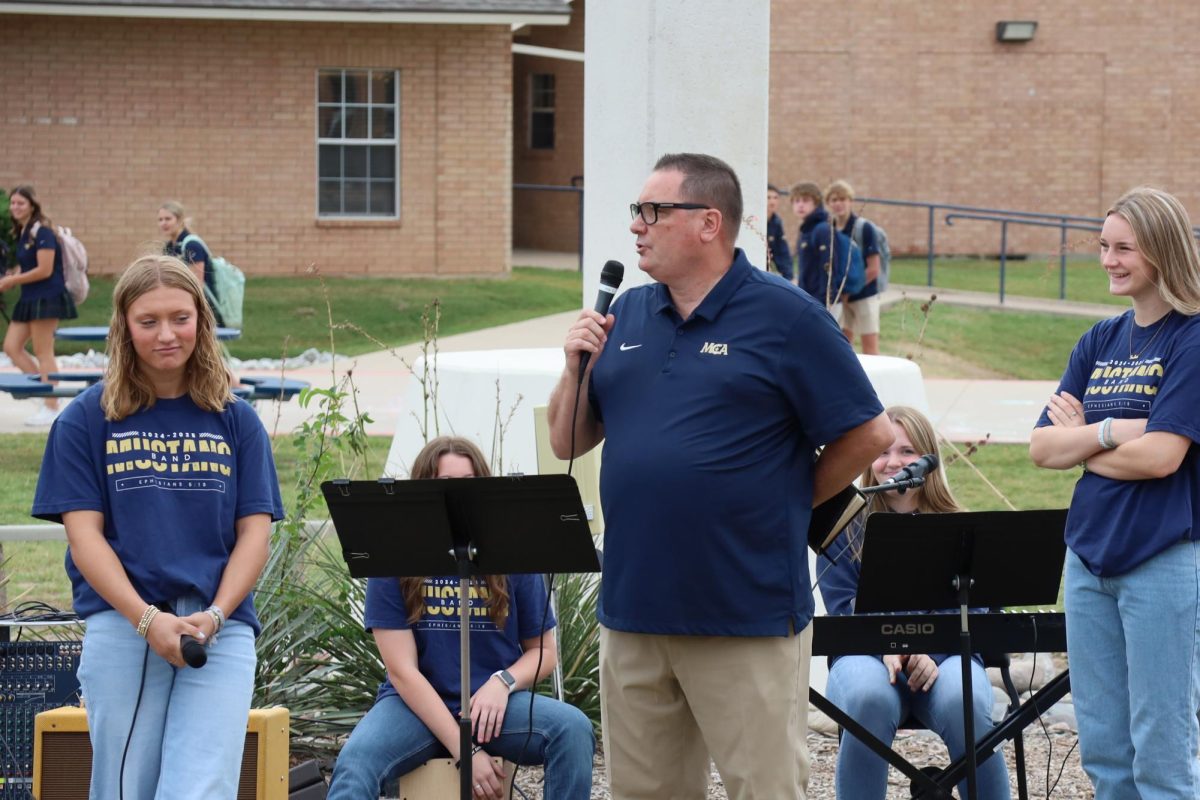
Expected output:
(1009, 31)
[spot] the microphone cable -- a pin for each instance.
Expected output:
(132, 723)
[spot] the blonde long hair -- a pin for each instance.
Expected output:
(1166, 241)
(126, 389)
(425, 466)
(935, 496)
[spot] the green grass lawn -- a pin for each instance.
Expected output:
(289, 314)
(1012, 344)
(1036, 276)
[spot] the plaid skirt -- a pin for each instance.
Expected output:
(60, 306)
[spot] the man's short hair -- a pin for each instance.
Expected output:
(708, 180)
(839, 189)
(809, 190)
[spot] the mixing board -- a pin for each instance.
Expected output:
(34, 677)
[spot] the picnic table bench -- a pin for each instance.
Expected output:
(252, 387)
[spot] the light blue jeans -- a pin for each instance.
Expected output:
(859, 686)
(190, 728)
(1134, 645)
(391, 741)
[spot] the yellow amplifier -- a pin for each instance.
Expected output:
(62, 755)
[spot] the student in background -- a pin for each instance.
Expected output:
(817, 246)
(860, 312)
(187, 247)
(44, 296)
(777, 246)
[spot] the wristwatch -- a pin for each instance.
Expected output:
(506, 678)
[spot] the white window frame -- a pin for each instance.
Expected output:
(370, 103)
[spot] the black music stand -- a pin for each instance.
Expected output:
(468, 527)
(938, 561)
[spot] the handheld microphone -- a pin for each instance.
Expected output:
(918, 469)
(610, 280)
(193, 652)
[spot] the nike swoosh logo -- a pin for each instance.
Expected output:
(625, 347)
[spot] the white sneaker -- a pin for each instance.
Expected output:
(44, 417)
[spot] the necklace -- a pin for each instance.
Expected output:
(1146, 346)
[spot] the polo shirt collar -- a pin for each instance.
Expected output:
(717, 296)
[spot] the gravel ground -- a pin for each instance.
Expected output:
(919, 747)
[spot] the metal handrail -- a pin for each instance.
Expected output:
(1063, 222)
(1005, 221)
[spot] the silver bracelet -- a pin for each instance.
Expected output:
(1104, 434)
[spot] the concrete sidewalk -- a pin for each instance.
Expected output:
(963, 410)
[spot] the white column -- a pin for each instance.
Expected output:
(669, 76)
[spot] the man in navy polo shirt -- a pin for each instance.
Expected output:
(712, 389)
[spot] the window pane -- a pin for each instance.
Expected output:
(383, 197)
(330, 198)
(354, 162)
(383, 162)
(329, 86)
(541, 130)
(542, 91)
(355, 197)
(383, 123)
(356, 122)
(356, 86)
(330, 161)
(329, 122)
(383, 86)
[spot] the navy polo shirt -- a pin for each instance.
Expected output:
(710, 428)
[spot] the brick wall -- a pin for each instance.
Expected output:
(914, 100)
(549, 220)
(118, 115)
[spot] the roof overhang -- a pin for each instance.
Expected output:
(149, 11)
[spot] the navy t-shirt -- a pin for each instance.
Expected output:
(192, 252)
(710, 429)
(870, 247)
(1113, 525)
(437, 631)
(27, 259)
(171, 481)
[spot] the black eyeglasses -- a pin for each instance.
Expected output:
(649, 211)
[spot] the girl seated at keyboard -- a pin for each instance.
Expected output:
(881, 691)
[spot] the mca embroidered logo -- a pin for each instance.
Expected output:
(715, 349)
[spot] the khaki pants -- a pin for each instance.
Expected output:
(669, 702)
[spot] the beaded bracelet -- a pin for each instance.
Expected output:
(218, 617)
(148, 616)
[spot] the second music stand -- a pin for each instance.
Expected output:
(926, 562)
(466, 527)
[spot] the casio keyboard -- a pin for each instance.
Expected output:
(992, 634)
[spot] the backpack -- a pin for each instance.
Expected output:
(849, 275)
(230, 283)
(75, 262)
(885, 250)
